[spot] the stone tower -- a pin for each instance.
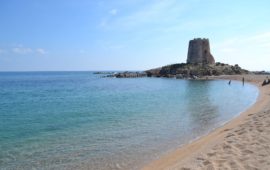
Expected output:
(199, 52)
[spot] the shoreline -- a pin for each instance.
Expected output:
(219, 148)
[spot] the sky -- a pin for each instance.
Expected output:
(85, 35)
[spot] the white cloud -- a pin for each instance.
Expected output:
(41, 51)
(103, 23)
(113, 11)
(157, 12)
(116, 47)
(151, 13)
(82, 51)
(251, 52)
(2, 51)
(22, 50)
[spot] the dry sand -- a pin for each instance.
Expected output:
(243, 143)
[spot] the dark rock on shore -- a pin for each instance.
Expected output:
(103, 72)
(266, 82)
(128, 74)
(261, 72)
(186, 71)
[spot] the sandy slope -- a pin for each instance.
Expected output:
(243, 143)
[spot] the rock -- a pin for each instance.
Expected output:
(128, 74)
(195, 71)
(179, 76)
(103, 72)
(265, 82)
(261, 72)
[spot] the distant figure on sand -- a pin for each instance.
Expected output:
(229, 82)
(243, 80)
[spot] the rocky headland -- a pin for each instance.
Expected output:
(200, 64)
(185, 70)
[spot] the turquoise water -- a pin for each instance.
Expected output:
(77, 120)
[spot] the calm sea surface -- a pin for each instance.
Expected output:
(78, 120)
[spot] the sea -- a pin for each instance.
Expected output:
(81, 120)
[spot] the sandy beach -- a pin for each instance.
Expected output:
(242, 143)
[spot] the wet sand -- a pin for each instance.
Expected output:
(242, 143)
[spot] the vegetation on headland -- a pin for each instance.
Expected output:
(186, 71)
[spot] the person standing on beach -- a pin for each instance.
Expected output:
(243, 80)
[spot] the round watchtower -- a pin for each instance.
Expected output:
(199, 52)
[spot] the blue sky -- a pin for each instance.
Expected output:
(57, 35)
